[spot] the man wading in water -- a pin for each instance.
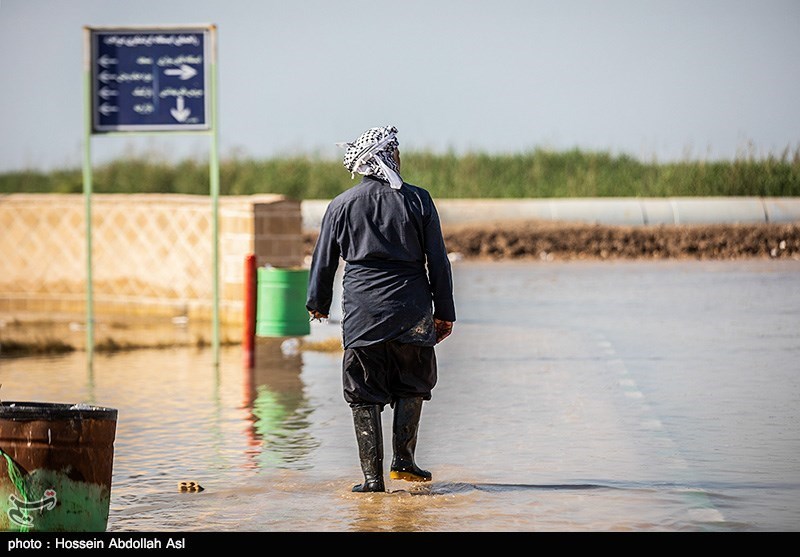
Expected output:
(397, 300)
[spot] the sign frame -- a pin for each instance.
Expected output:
(209, 127)
(105, 68)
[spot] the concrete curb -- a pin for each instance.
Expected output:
(614, 211)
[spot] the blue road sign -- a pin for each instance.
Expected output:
(150, 79)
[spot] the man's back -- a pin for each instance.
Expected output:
(390, 240)
(375, 223)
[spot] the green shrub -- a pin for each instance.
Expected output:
(536, 174)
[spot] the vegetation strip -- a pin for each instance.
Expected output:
(537, 173)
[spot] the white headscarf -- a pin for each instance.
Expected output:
(372, 154)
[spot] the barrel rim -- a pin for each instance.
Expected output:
(28, 410)
(290, 271)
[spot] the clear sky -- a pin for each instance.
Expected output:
(655, 79)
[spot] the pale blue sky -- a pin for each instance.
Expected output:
(655, 79)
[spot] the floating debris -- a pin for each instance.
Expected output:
(187, 487)
(290, 347)
(333, 344)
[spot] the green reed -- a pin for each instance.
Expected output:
(538, 174)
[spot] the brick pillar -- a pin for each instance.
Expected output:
(278, 234)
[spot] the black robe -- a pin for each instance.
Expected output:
(397, 276)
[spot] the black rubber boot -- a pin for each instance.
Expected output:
(369, 434)
(407, 412)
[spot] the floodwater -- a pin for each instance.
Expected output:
(614, 396)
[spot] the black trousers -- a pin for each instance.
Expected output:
(382, 373)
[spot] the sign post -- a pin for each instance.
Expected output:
(150, 80)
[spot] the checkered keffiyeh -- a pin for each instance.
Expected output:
(372, 155)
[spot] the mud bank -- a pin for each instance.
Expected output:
(550, 241)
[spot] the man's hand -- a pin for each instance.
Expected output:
(316, 316)
(443, 329)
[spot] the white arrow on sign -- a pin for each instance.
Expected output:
(105, 77)
(180, 113)
(105, 60)
(107, 109)
(184, 72)
(105, 92)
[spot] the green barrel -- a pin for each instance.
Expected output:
(281, 302)
(56, 463)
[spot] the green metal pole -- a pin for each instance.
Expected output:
(214, 179)
(87, 193)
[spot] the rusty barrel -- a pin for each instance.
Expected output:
(56, 463)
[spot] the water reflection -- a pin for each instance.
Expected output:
(397, 512)
(279, 411)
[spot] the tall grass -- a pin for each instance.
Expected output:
(538, 174)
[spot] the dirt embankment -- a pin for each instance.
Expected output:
(551, 241)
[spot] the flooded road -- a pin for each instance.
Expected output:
(615, 396)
